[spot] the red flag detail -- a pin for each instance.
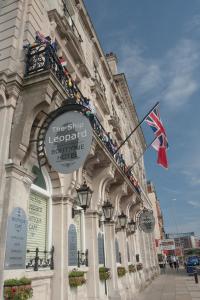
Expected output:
(162, 157)
(160, 144)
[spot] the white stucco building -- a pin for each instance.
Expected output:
(159, 232)
(32, 85)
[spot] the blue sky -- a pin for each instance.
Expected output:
(158, 48)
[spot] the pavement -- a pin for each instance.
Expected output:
(172, 285)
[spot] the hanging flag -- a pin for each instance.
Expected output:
(40, 37)
(160, 144)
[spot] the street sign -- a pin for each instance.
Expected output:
(67, 141)
(168, 244)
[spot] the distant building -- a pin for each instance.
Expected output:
(159, 231)
(185, 240)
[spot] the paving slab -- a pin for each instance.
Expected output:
(172, 285)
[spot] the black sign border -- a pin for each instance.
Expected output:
(41, 154)
(138, 219)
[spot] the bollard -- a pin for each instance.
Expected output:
(196, 277)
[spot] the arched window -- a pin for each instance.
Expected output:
(72, 246)
(128, 252)
(117, 253)
(39, 215)
(101, 253)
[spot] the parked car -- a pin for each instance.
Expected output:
(192, 263)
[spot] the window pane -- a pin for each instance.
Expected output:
(39, 180)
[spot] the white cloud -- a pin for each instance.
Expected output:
(170, 79)
(189, 226)
(194, 24)
(183, 61)
(194, 203)
(179, 91)
(143, 74)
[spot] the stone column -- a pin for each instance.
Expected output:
(131, 240)
(151, 254)
(91, 233)
(7, 107)
(142, 256)
(124, 259)
(123, 247)
(113, 291)
(61, 215)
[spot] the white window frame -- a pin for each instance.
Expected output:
(48, 195)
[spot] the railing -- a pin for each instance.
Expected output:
(43, 56)
(40, 259)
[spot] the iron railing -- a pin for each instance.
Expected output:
(40, 259)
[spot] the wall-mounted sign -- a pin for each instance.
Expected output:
(101, 248)
(37, 223)
(146, 221)
(72, 246)
(168, 244)
(16, 240)
(67, 141)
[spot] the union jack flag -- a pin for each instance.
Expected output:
(160, 143)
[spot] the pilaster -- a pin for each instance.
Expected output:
(16, 194)
(91, 233)
(113, 290)
(61, 215)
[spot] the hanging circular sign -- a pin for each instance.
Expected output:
(146, 221)
(67, 141)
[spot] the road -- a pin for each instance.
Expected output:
(173, 285)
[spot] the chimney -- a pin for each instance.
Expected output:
(112, 62)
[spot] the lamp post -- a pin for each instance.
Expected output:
(108, 211)
(84, 196)
(122, 220)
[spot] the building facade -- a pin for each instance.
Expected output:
(159, 231)
(38, 75)
(185, 240)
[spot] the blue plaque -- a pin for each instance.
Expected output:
(72, 246)
(15, 257)
(101, 248)
(128, 252)
(117, 251)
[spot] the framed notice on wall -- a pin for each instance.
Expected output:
(37, 222)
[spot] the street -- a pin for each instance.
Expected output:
(173, 285)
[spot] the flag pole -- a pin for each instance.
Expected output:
(141, 155)
(135, 128)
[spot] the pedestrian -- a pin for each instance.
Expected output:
(164, 263)
(177, 263)
(170, 262)
(173, 258)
